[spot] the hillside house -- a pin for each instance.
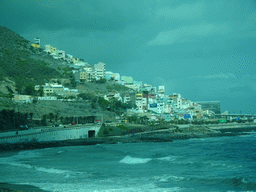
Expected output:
(87, 74)
(23, 98)
(60, 54)
(127, 79)
(112, 95)
(69, 58)
(116, 76)
(36, 42)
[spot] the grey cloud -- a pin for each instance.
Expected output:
(88, 15)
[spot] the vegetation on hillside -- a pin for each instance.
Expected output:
(16, 64)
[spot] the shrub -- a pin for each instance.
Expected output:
(105, 131)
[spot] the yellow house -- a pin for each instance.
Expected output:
(198, 113)
(138, 96)
(83, 75)
(35, 45)
(75, 60)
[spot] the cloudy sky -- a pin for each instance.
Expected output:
(203, 49)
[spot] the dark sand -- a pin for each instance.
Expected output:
(6, 187)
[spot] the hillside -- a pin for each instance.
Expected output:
(23, 66)
(17, 64)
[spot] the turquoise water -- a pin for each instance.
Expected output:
(210, 164)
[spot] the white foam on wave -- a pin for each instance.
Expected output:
(21, 165)
(94, 187)
(23, 155)
(134, 160)
(41, 169)
(164, 178)
(51, 170)
(17, 162)
(27, 155)
(168, 158)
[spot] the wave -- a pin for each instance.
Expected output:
(20, 165)
(61, 151)
(165, 178)
(41, 169)
(51, 170)
(207, 164)
(15, 161)
(235, 183)
(168, 158)
(27, 155)
(240, 183)
(134, 160)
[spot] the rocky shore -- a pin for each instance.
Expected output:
(168, 135)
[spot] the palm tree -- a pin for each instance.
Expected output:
(51, 116)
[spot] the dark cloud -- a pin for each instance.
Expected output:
(159, 42)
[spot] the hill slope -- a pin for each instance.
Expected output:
(17, 64)
(23, 66)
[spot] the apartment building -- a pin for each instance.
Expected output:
(99, 71)
(87, 75)
(139, 102)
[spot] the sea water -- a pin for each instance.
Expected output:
(209, 164)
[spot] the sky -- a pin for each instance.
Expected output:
(202, 49)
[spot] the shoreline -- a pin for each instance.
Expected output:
(166, 135)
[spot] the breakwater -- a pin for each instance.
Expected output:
(233, 127)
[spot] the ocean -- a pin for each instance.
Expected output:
(210, 164)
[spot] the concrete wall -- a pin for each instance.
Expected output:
(49, 135)
(24, 132)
